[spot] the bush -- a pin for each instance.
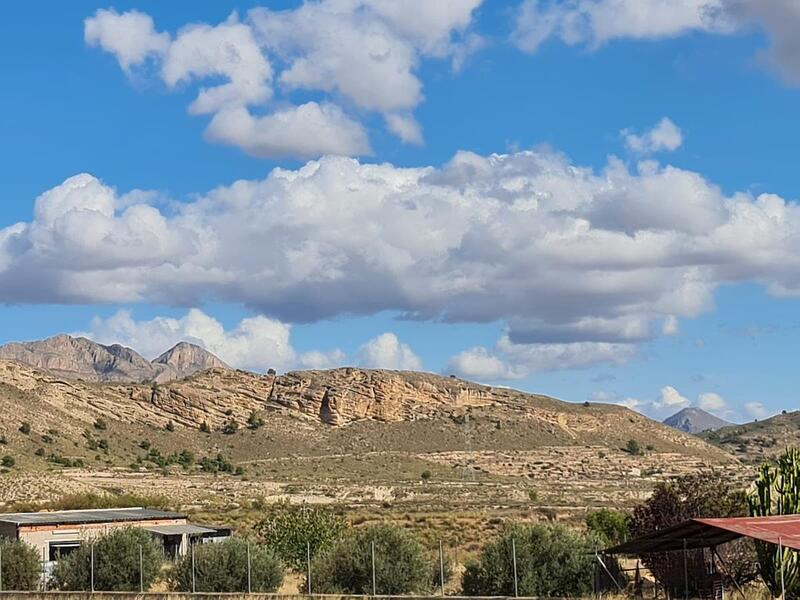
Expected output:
(345, 567)
(21, 568)
(170, 426)
(426, 475)
(609, 525)
(230, 427)
(222, 567)
(116, 563)
(552, 560)
(100, 424)
(255, 420)
(25, 428)
(632, 447)
(8, 461)
(290, 531)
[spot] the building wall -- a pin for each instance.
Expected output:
(40, 536)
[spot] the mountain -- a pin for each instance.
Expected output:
(695, 420)
(81, 358)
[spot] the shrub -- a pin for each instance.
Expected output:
(8, 461)
(345, 567)
(611, 526)
(230, 427)
(290, 531)
(632, 447)
(170, 426)
(25, 428)
(216, 465)
(426, 475)
(3, 440)
(552, 560)
(100, 424)
(205, 427)
(116, 563)
(185, 459)
(21, 568)
(222, 567)
(255, 420)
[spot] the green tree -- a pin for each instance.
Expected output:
(116, 563)
(552, 560)
(345, 567)
(609, 525)
(21, 569)
(632, 447)
(777, 492)
(292, 530)
(222, 567)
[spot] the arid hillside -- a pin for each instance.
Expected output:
(759, 440)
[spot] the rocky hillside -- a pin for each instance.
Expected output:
(695, 420)
(759, 440)
(80, 358)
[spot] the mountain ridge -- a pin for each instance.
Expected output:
(695, 420)
(81, 358)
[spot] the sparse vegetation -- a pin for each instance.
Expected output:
(25, 428)
(100, 424)
(255, 420)
(230, 427)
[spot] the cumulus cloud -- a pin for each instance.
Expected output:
(255, 343)
(362, 54)
(663, 136)
(387, 352)
(671, 398)
(131, 36)
(582, 266)
(596, 22)
(712, 402)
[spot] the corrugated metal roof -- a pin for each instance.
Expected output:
(77, 517)
(707, 533)
(179, 529)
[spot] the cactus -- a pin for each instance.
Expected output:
(777, 492)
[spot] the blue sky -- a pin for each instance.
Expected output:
(633, 241)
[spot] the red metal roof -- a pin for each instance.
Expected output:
(707, 533)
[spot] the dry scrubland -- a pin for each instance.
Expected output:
(447, 458)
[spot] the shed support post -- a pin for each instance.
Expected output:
(685, 572)
(780, 551)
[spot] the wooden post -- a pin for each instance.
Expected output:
(514, 560)
(685, 572)
(780, 551)
(374, 583)
(308, 565)
(441, 566)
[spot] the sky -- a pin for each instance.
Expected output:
(590, 199)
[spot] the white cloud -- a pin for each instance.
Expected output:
(386, 352)
(596, 22)
(361, 54)
(131, 36)
(301, 131)
(756, 410)
(670, 326)
(622, 255)
(256, 343)
(664, 136)
(711, 402)
(671, 399)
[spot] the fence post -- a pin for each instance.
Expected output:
(514, 559)
(374, 585)
(91, 561)
(685, 573)
(308, 565)
(780, 550)
(249, 584)
(141, 570)
(191, 546)
(1, 568)
(44, 569)
(441, 566)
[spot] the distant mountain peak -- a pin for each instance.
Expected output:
(81, 358)
(695, 420)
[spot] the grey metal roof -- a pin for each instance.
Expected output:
(78, 517)
(179, 529)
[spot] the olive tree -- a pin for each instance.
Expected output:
(21, 569)
(294, 531)
(401, 566)
(117, 565)
(777, 492)
(222, 567)
(552, 560)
